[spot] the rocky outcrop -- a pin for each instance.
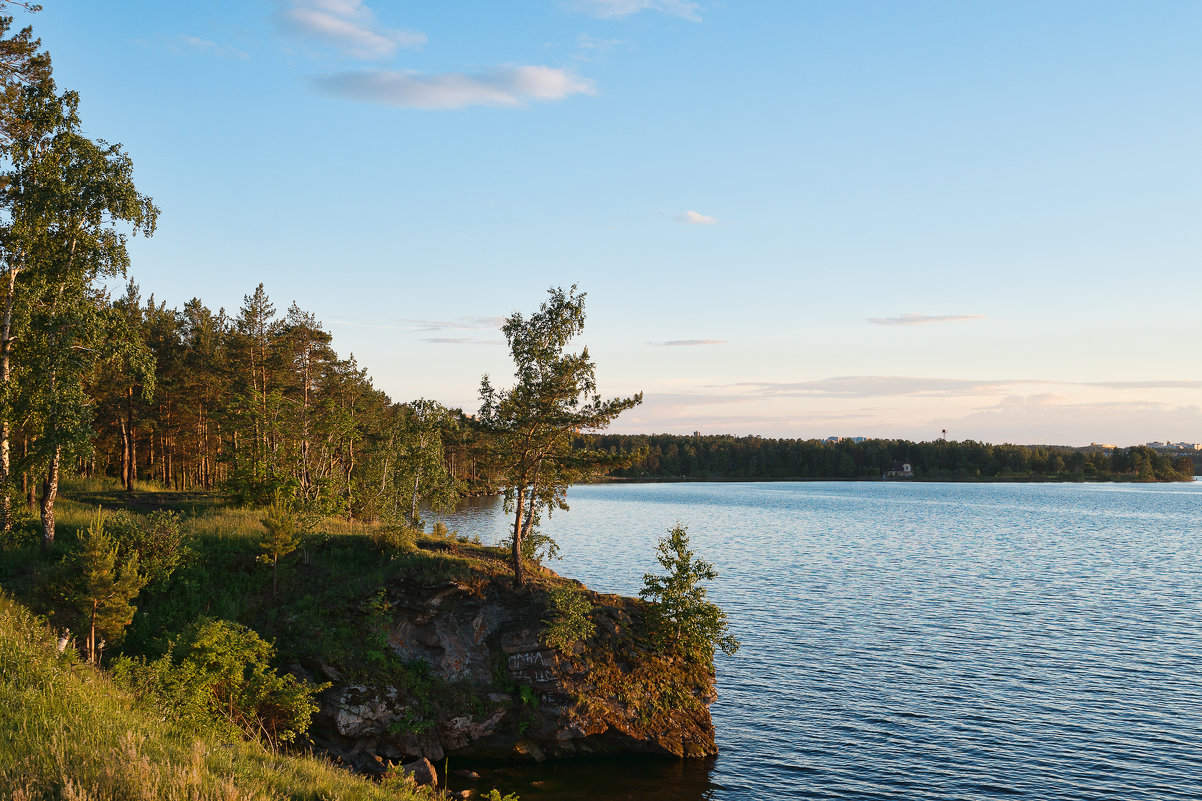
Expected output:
(464, 672)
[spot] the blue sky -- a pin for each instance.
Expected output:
(791, 218)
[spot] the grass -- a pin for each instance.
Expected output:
(67, 732)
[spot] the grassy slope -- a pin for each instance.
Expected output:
(67, 732)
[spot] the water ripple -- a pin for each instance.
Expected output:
(924, 641)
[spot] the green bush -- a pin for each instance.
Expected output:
(392, 539)
(219, 674)
(157, 539)
(680, 619)
(567, 620)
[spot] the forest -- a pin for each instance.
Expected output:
(671, 456)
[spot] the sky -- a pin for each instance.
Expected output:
(800, 219)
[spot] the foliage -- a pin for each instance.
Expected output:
(680, 619)
(567, 619)
(535, 427)
(157, 540)
(495, 795)
(93, 590)
(67, 203)
(220, 673)
(418, 471)
(392, 539)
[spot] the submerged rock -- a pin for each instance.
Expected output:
(461, 670)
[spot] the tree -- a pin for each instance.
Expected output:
(281, 539)
(99, 587)
(64, 198)
(420, 471)
(537, 427)
(680, 619)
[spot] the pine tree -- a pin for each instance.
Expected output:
(98, 589)
(281, 539)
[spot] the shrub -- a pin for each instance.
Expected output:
(219, 674)
(156, 539)
(392, 539)
(567, 619)
(680, 619)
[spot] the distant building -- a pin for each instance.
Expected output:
(900, 469)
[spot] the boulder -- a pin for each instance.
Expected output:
(422, 771)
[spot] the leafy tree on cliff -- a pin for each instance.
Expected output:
(536, 426)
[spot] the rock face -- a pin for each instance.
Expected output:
(464, 672)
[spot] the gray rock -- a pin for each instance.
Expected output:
(532, 702)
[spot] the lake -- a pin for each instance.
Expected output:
(915, 640)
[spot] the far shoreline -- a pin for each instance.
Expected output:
(866, 479)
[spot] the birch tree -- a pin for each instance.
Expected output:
(66, 204)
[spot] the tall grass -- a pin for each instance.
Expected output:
(67, 732)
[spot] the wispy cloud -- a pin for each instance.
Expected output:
(924, 319)
(507, 87)
(589, 49)
(477, 323)
(462, 341)
(874, 386)
(1169, 384)
(348, 25)
(608, 9)
(696, 218)
(678, 343)
(185, 43)
(1051, 419)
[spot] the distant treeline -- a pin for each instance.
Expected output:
(671, 456)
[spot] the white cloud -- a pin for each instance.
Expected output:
(501, 86)
(348, 25)
(607, 9)
(696, 218)
(589, 49)
(924, 319)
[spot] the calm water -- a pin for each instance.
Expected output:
(917, 641)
